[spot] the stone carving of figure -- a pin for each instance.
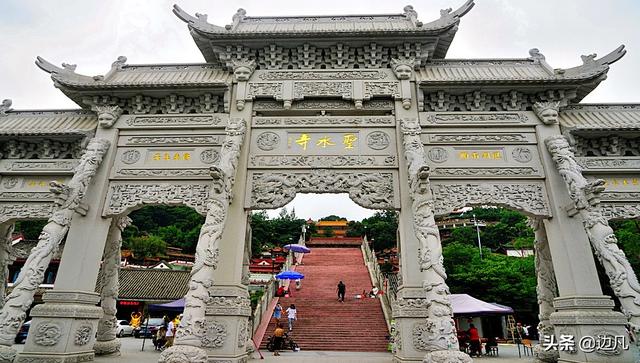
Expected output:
(191, 333)
(439, 332)
(242, 70)
(6, 254)
(5, 107)
(580, 190)
(107, 115)
(621, 276)
(547, 112)
(403, 68)
(106, 342)
(68, 200)
(534, 53)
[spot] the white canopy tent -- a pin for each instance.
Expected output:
(467, 305)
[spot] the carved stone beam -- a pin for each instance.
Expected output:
(441, 343)
(106, 342)
(191, 335)
(31, 276)
(622, 278)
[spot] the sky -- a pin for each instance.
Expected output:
(93, 33)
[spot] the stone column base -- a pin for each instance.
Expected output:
(590, 317)
(183, 353)
(63, 329)
(447, 356)
(107, 347)
(227, 325)
(410, 314)
(7, 354)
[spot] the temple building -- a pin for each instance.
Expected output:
(367, 105)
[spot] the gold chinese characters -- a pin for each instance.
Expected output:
(303, 140)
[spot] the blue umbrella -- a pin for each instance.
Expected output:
(289, 275)
(298, 248)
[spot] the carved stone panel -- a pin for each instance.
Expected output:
(12, 211)
(37, 166)
(125, 197)
(622, 164)
(323, 147)
(613, 210)
(369, 189)
(181, 162)
(322, 74)
(528, 197)
(173, 121)
(477, 119)
(320, 121)
(28, 188)
(323, 105)
(468, 161)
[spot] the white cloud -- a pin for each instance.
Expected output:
(94, 33)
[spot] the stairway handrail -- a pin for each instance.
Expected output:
(377, 278)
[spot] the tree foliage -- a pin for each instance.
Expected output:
(175, 226)
(146, 246)
(495, 278)
(503, 228)
(284, 229)
(30, 229)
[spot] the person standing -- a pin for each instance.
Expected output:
(474, 341)
(292, 315)
(171, 332)
(278, 339)
(342, 289)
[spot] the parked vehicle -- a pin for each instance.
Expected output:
(149, 330)
(22, 333)
(123, 328)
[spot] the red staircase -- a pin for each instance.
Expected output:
(323, 322)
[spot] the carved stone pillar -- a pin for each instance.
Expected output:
(435, 335)
(69, 202)
(582, 311)
(106, 341)
(6, 229)
(197, 332)
(546, 289)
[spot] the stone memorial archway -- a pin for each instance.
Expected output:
(364, 105)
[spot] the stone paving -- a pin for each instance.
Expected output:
(132, 353)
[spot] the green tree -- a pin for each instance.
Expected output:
(146, 246)
(382, 228)
(30, 229)
(496, 278)
(333, 218)
(628, 235)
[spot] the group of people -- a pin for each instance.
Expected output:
(166, 333)
(342, 289)
(279, 334)
(472, 338)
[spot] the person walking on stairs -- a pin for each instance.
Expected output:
(292, 314)
(277, 312)
(341, 291)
